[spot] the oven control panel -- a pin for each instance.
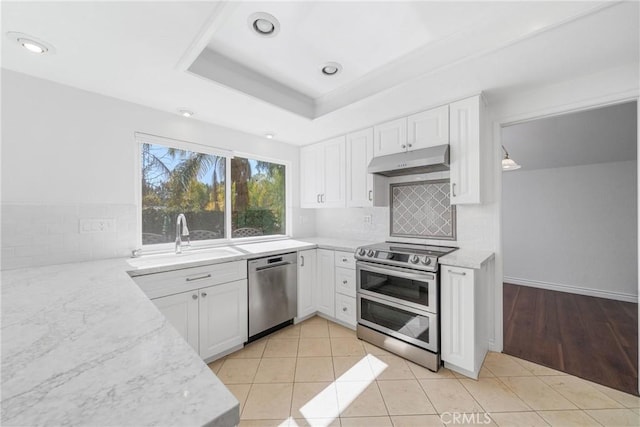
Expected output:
(408, 260)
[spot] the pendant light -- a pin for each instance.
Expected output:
(507, 163)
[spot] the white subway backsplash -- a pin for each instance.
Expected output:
(349, 223)
(38, 234)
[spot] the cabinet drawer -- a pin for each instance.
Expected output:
(345, 260)
(186, 279)
(346, 281)
(346, 309)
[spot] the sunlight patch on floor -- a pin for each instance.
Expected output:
(322, 408)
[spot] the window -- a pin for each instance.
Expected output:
(257, 198)
(177, 180)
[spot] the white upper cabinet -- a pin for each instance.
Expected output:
(390, 137)
(334, 177)
(464, 150)
(323, 174)
(428, 129)
(310, 179)
(359, 182)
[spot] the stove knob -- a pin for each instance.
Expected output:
(371, 252)
(426, 260)
(413, 259)
(361, 252)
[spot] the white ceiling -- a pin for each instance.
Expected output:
(601, 135)
(141, 51)
(361, 36)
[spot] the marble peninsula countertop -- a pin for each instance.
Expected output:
(83, 345)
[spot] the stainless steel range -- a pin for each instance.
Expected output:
(398, 299)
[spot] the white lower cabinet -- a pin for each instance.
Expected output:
(325, 285)
(346, 309)
(181, 310)
(346, 281)
(306, 283)
(463, 319)
(346, 288)
(207, 305)
(223, 317)
(212, 319)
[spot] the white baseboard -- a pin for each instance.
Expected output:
(618, 296)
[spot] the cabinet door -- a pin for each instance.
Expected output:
(346, 309)
(223, 317)
(390, 137)
(428, 129)
(346, 281)
(457, 308)
(464, 141)
(306, 282)
(181, 310)
(334, 179)
(325, 285)
(311, 165)
(359, 182)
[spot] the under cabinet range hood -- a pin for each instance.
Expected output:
(423, 160)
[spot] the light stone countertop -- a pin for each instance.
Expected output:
(83, 345)
(466, 258)
(336, 244)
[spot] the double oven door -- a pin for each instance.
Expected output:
(399, 302)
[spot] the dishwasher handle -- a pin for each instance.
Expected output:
(274, 265)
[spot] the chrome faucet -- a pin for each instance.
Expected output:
(181, 232)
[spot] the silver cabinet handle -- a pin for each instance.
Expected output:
(322, 198)
(453, 189)
(318, 198)
(344, 309)
(191, 279)
(344, 282)
(204, 294)
(194, 296)
(461, 273)
(370, 195)
(410, 145)
(301, 260)
(403, 146)
(344, 259)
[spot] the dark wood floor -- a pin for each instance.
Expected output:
(592, 338)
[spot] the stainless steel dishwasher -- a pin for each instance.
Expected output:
(273, 283)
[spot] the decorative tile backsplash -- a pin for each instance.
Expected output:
(422, 209)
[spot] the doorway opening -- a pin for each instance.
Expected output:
(570, 244)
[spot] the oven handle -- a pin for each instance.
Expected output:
(401, 272)
(385, 301)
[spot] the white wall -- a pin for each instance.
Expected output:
(69, 154)
(573, 229)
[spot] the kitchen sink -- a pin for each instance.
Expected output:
(188, 255)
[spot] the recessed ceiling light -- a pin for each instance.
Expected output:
(331, 68)
(30, 43)
(264, 24)
(185, 112)
(269, 135)
(32, 46)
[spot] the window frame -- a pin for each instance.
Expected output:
(227, 240)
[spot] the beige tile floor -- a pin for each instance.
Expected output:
(318, 373)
